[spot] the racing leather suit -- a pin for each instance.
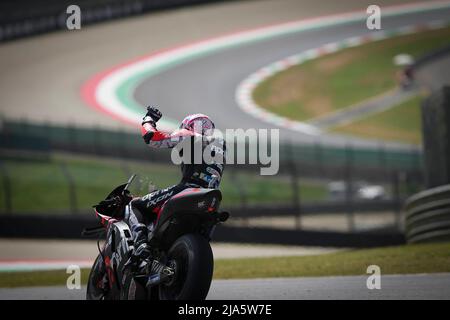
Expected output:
(144, 211)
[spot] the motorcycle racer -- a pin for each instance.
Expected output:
(144, 211)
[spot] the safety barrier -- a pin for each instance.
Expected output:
(70, 227)
(309, 158)
(428, 215)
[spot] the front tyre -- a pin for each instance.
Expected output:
(93, 291)
(132, 289)
(192, 259)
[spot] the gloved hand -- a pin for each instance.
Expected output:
(152, 116)
(154, 113)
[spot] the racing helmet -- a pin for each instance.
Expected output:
(198, 123)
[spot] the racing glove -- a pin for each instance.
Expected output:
(152, 116)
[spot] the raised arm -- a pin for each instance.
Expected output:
(159, 139)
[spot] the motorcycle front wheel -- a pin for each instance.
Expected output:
(192, 260)
(92, 291)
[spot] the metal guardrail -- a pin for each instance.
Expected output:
(264, 210)
(428, 215)
(318, 158)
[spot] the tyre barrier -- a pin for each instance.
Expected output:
(427, 215)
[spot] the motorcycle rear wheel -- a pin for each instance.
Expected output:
(192, 258)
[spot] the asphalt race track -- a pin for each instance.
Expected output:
(212, 80)
(422, 286)
(52, 67)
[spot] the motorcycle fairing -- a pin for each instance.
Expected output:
(118, 249)
(185, 212)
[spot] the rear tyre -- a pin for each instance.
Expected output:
(191, 257)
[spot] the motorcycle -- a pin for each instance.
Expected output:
(181, 263)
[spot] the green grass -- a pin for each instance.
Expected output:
(400, 123)
(343, 78)
(38, 278)
(407, 259)
(419, 258)
(40, 186)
